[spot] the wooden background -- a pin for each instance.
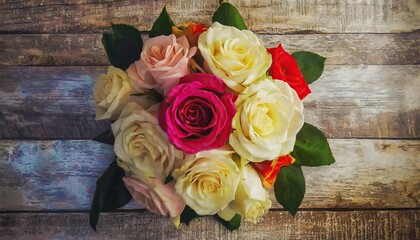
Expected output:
(367, 102)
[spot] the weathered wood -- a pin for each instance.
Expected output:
(382, 225)
(61, 175)
(48, 103)
(86, 49)
(348, 101)
(378, 16)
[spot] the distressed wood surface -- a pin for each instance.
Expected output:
(341, 16)
(61, 175)
(371, 192)
(382, 225)
(86, 49)
(378, 101)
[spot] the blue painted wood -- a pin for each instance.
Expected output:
(51, 175)
(346, 102)
(61, 175)
(49, 103)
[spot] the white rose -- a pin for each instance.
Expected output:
(237, 57)
(207, 181)
(269, 115)
(251, 198)
(164, 60)
(155, 196)
(142, 147)
(111, 92)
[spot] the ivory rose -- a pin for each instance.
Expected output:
(163, 61)
(111, 92)
(251, 198)
(156, 196)
(237, 57)
(269, 115)
(142, 147)
(207, 181)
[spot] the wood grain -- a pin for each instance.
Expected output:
(61, 175)
(346, 102)
(382, 225)
(49, 103)
(86, 49)
(265, 16)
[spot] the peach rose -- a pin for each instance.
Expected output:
(163, 61)
(155, 196)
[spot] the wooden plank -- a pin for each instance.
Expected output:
(48, 103)
(382, 225)
(265, 16)
(61, 175)
(347, 102)
(86, 49)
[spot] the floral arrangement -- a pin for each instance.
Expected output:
(205, 121)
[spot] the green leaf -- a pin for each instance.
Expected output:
(310, 64)
(228, 15)
(289, 187)
(312, 148)
(110, 193)
(233, 224)
(188, 215)
(106, 137)
(163, 25)
(168, 179)
(150, 93)
(123, 46)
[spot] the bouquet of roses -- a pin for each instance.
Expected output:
(205, 121)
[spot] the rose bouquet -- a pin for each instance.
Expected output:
(205, 121)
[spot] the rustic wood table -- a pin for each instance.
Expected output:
(367, 102)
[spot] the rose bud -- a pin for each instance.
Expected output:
(268, 169)
(285, 68)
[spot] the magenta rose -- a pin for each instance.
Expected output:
(197, 114)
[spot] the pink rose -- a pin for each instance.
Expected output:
(163, 61)
(155, 196)
(197, 114)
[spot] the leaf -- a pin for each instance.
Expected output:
(150, 93)
(123, 46)
(228, 15)
(188, 215)
(233, 224)
(289, 187)
(106, 137)
(162, 25)
(312, 148)
(110, 193)
(310, 64)
(95, 209)
(168, 179)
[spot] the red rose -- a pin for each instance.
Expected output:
(284, 67)
(268, 169)
(197, 114)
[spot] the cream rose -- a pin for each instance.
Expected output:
(237, 57)
(251, 198)
(207, 181)
(163, 61)
(142, 147)
(155, 196)
(269, 115)
(111, 92)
